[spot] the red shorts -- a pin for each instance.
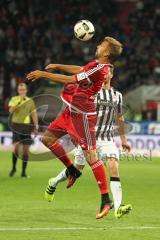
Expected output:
(80, 126)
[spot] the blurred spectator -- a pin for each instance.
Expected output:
(2, 127)
(34, 33)
(138, 117)
(149, 116)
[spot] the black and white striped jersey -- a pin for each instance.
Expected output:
(108, 104)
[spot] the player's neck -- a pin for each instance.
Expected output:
(22, 97)
(106, 86)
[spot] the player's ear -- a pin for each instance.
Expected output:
(106, 55)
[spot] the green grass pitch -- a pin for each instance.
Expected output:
(25, 215)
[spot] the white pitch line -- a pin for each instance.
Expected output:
(81, 228)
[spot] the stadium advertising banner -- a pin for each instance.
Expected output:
(139, 143)
(145, 128)
(142, 144)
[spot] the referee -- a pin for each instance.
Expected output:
(23, 110)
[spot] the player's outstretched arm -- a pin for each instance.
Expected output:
(72, 69)
(32, 76)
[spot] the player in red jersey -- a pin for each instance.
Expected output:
(79, 118)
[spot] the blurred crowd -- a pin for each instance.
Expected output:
(34, 33)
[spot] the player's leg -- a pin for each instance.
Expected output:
(50, 140)
(101, 179)
(79, 163)
(116, 189)
(14, 158)
(109, 153)
(25, 156)
(54, 182)
(115, 184)
(86, 136)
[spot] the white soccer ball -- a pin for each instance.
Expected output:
(84, 30)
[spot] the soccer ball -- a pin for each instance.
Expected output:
(84, 30)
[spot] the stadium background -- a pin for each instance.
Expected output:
(34, 33)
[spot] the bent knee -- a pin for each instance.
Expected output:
(47, 141)
(90, 155)
(113, 168)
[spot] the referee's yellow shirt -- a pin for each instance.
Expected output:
(24, 107)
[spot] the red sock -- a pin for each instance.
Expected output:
(100, 175)
(58, 150)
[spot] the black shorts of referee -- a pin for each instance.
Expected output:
(22, 133)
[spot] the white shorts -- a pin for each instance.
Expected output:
(105, 150)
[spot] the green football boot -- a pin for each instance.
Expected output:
(123, 210)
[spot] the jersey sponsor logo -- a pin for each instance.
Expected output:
(81, 76)
(93, 70)
(106, 103)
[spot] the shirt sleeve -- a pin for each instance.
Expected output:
(86, 74)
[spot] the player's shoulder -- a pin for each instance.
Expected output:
(105, 68)
(117, 92)
(29, 100)
(91, 64)
(15, 97)
(97, 66)
(94, 63)
(13, 101)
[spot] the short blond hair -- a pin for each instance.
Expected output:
(115, 48)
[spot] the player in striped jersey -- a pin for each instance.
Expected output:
(109, 109)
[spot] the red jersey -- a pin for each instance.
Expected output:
(89, 83)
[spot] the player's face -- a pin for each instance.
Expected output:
(22, 91)
(102, 49)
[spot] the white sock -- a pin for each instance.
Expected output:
(59, 178)
(116, 190)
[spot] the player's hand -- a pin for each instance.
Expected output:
(51, 67)
(126, 147)
(36, 129)
(35, 132)
(32, 76)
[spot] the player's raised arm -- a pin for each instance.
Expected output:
(72, 69)
(32, 76)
